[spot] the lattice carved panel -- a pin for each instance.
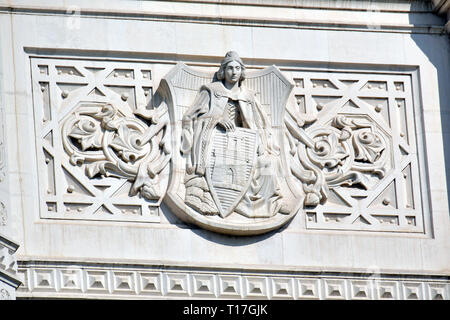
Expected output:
(358, 136)
(101, 143)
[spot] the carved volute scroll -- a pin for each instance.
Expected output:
(345, 141)
(110, 144)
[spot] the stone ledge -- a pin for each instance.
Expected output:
(115, 281)
(403, 17)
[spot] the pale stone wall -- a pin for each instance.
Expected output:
(78, 239)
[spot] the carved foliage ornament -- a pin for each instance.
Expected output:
(111, 144)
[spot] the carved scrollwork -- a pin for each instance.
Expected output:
(368, 144)
(110, 144)
(244, 158)
(336, 155)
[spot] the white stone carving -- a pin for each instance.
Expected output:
(282, 288)
(338, 147)
(413, 290)
(102, 148)
(230, 175)
(204, 285)
(353, 148)
(361, 290)
(308, 288)
(387, 290)
(113, 145)
(348, 144)
(229, 286)
(113, 281)
(8, 262)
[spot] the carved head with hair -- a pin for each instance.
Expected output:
(229, 57)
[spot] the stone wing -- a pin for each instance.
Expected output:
(272, 90)
(181, 86)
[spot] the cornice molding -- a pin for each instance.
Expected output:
(442, 7)
(398, 16)
(70, 279)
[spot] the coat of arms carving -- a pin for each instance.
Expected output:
(230, 174)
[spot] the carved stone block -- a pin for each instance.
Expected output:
(230, 286)
(100, 143)
(362, 141)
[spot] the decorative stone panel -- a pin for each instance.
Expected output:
(352, 142)
(89, 119)
(362, 135)
(9, 278)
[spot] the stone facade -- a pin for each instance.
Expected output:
(95, 102)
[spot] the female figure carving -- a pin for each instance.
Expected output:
(225, 105)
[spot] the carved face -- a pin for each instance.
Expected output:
(233, 72)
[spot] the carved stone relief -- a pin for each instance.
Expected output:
(117, 280)
(102, 148)
(358, 138)
(230, 172)
(8, 261)
(245, 150)
(9, 279)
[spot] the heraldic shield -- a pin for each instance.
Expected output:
(228, 170)
(230, 165)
